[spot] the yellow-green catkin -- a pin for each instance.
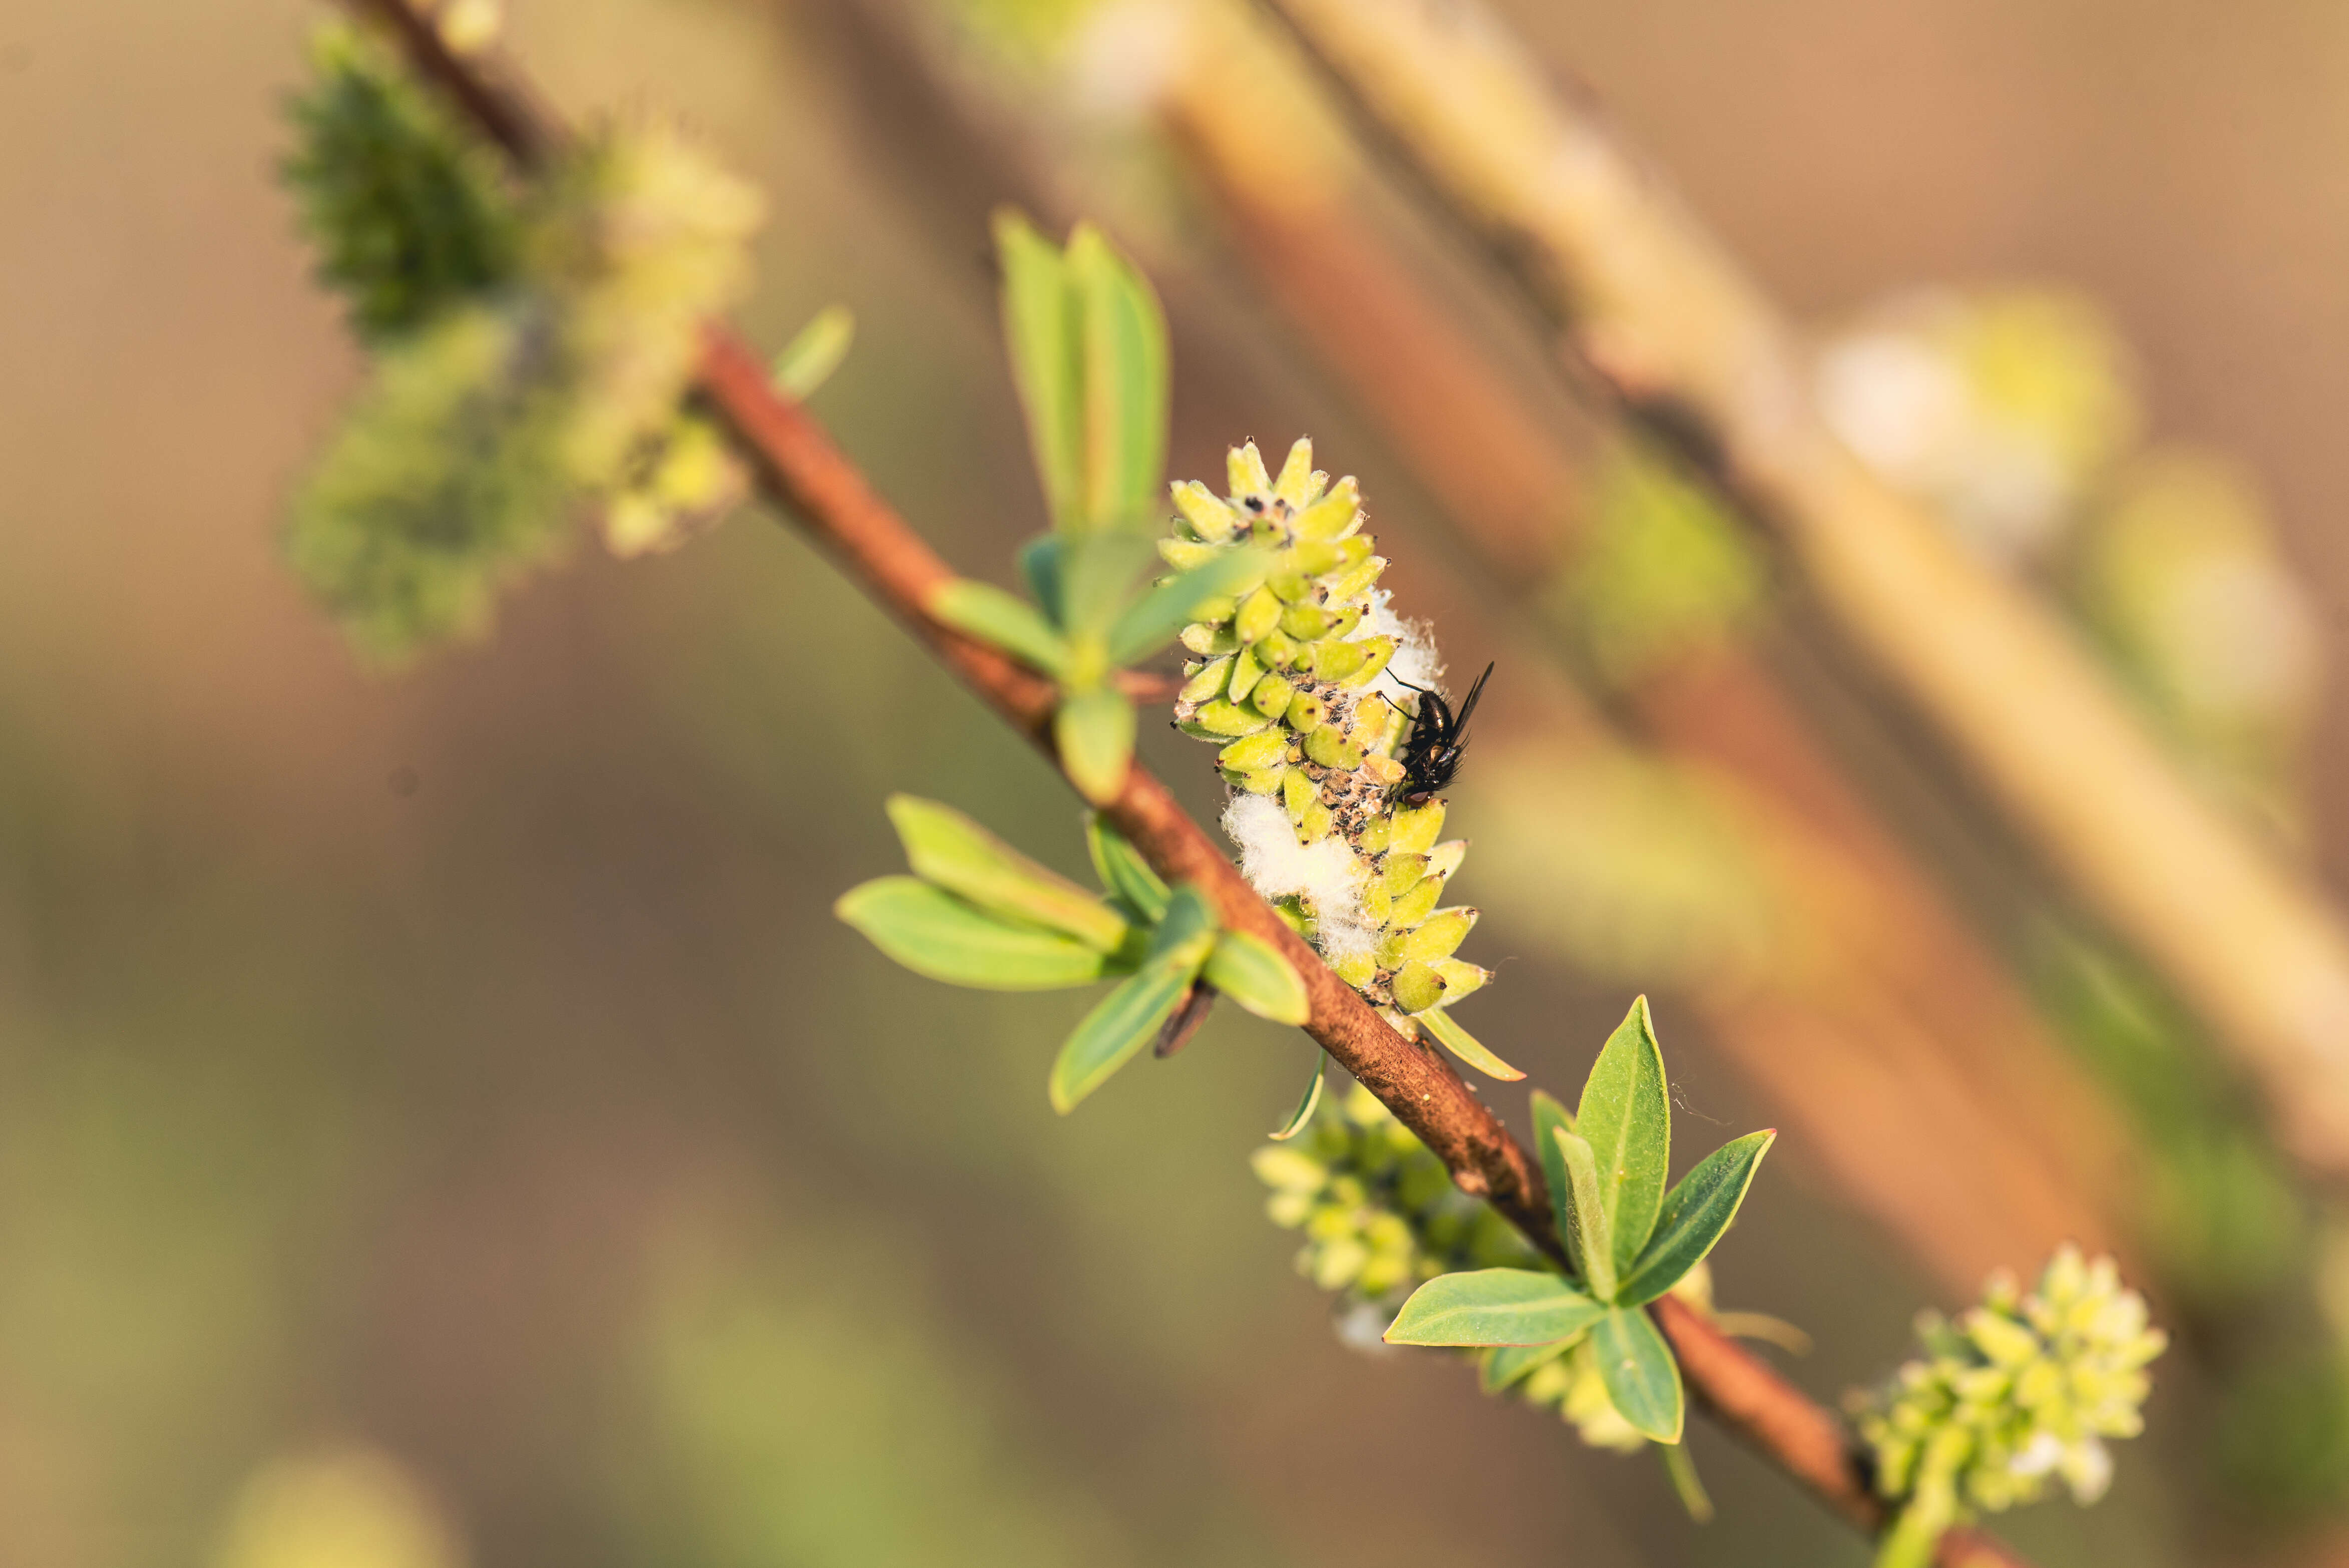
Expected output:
(1286, 681)
(2016, 1394)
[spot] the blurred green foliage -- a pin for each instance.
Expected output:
(408, 212)
(529, 352)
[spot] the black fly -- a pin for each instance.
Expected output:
(1431, 756)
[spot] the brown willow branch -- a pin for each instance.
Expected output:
(1895, 1049)
(1642, 296)
(799, 465)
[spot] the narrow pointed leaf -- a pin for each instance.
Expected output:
(933, 932)
(1505, 1364)
(1302, 1116)
(1551, 1118)
(1040, 329)
(1697, 1212)
(1465, 1046)
(1122, 871)
(1642, 1379)
(1493, 1306)
(1001, 620)
(1187, 930)
(808, 361)
(1097, 578)
(1093, 731)
(1626, 1117)
(1039, 567)
(1119, 1027)
(945, 847)
(1126, 380)
(1246, 969)
(1588, 1237)
(1150, 622)
(1681, 1469)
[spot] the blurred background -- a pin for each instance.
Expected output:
(442, 1123)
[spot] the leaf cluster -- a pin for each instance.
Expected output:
(1088, 347)
(1629, 1239)
(977, 913)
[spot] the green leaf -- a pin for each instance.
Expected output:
(1097, 578)
(1681, 1469)
(1589, 1234)
(1493, 1306)
(1642, 1379)
(1093, 731)
(1187, 929)
(1002, 621)
(933, 932)
(945, 847)
(1151, 622)
(1125, 376)
(1302, 1116)
(1250, 972)
(808, 361)
(1551, 1118)
(1118, 1029)
(1040, 329)
(1505, 1364)
(1464, 1044)
(1122, 870)
(1039, 567)
(1696, 1214)
(1626, 1117)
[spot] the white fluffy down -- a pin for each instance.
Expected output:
(1326, 872)
(1415, 659)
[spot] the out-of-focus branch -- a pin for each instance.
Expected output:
(1642, 296)
(799, 465)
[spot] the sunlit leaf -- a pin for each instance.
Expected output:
(1126, 380)
(1505, 1364)
(1039, 567)
(933, 932)
(945, 847)
(1550, 1119)
(808, 361)
(1250, 972)
(1093, 731)
(1589, 1235)
(1122, 871)
(1119, 1027)
(1150, 622)
(1642, 1379)
(1626, 1117)
(1681, 1469)
(1696, 1214)
(1002, 621)
(1098, 573)
(1493, 1306)
(1302, 1116)
(1040, 329)
(1465, 1046)
(1187, 928)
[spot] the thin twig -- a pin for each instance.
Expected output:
(1643, 297)
(799, 465)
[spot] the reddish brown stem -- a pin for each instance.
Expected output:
(799, 466)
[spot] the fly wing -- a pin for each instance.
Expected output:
(1460, 724)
